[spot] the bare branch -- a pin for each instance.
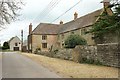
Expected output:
(8, 11)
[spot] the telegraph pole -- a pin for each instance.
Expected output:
(21, 40)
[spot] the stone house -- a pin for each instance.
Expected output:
(47, 36)
(44, 36)
(15, 44)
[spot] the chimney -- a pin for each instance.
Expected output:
(106, 3)
(75, 15)
(30, 28)
(61, 22)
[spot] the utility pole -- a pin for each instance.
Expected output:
(21, 40)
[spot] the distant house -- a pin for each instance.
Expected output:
(48, 36)
(15, 44)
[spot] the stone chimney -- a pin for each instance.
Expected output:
(30, 28)
(75, 15)
(106, 3)
(61, 22)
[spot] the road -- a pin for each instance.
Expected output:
(15, 65)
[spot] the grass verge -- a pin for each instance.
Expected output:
(75, 70)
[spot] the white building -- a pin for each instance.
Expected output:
(15, 44)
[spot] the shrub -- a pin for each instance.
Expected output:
(5, 46)
(74, 40)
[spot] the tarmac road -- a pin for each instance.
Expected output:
(15, 65)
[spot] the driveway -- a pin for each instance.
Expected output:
(15, 65)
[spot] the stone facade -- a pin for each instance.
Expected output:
(37, 42)
(81, 32)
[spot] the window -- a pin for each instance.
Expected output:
(44, 45)
(16, 44)
(44, 37)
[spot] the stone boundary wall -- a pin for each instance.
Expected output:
(105, 54)
(102, 54)
(109, 54)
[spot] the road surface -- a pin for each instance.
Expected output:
(15, 65)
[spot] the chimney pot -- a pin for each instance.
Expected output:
(61, 22)
(30, 28)
(106, 3)
(75, 15)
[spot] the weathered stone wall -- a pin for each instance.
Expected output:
(109, 54)
(105, 54)
(65, 54)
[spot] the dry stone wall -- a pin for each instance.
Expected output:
(105, 54)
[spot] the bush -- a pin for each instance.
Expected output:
(74, 40)
(37, 50)
(5, 46)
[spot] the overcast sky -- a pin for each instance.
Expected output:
(31, 14)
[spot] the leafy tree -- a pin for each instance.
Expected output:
(74, 40)
(8, 11)
(106, 23)
(5, 46)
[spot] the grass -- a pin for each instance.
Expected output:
(75, 70)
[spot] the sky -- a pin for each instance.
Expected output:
(32, 13)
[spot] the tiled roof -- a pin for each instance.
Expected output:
(83, 21)
(46, 28)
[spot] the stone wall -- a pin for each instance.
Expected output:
(109, 54)
(65, 54)
(105, 54)
(102, 54)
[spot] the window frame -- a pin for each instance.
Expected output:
(44, 37)
(44, 45)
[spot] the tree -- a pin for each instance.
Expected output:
(106, 23)
(5, 46)
(8, 11)
(74, 40)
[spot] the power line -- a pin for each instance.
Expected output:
(48, 9)
(66, 11)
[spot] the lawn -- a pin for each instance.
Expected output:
(75, 70)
